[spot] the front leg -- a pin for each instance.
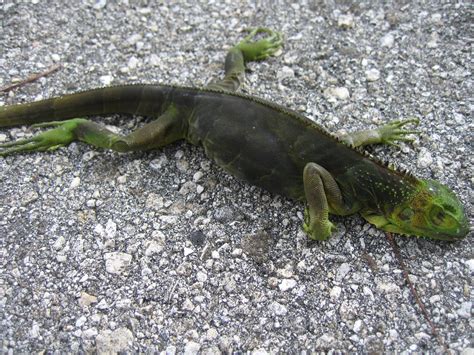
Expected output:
(386, 134)
(323, 196)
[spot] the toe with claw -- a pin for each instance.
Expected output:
(52, 139)
(395, 131)
(263, 48)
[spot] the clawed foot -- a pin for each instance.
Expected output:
(317, 230)
(262, 48)
(394, 131)
(51, 139)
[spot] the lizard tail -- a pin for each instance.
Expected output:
(133, 99)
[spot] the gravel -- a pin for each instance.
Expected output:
(155, 251)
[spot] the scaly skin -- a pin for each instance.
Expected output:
(258, 141)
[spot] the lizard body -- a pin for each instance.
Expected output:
(260, 142)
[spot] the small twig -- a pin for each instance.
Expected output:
(420, 304)
(31, 78)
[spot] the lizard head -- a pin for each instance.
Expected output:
(433, 211)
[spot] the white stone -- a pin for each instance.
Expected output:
(465, 310)
(106, 79)
(90, 333)
(81, 321)
(191, 348)
(201, 276)
(285, 72)
(372, 74)
(110, 342)
(287, 284)
(75, 182)
(132, 62)
(387, 41)
(337, 93)
(357, 326)
(470, 265)
(335, 292)
(99, 229)
(424, 158)
(278, 309)
(187, 251)
(345, 21)
(212, 334)
(188, 305)
(110, 229)
(59, 243)
(117, 262)
(153, 247)
(86, 300)
(342, 271)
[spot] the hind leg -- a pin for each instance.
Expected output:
(164, 130)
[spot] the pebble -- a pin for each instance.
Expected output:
(170, 350)
(357, 326)
(187, 251)
(158, 163)
(470, 264)
(287, 284)
(465, 310)
(154, 201)
(59, 243)
(191, 348)
(75, 182)
(106, 79)
(86, 300)
(81, 321)
(117, 262)
(201, 276)
(35, 330)
(342, 271)
(285, 72)
(132, 62)
(110, 229)
(109, 342)
(133, 39)
(90, 333)
(99, 4)
(224, 214)
(345, 21)
(335, 292)
(28, 197)
(387, 40)
(153, 247)
(424, 159)
(278, 309)
(334, 94)
(212, 334)
(372, 74)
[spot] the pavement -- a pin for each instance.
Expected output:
(164, 252)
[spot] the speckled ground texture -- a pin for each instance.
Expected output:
(163, 251)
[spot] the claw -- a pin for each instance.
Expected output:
(262, 48)
(52, 139)
(393, 131)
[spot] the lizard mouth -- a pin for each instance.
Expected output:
(451, 235)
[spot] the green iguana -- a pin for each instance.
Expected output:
(258, 141)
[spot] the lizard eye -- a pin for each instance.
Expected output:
(437, 215)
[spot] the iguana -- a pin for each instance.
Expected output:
(258, 141)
